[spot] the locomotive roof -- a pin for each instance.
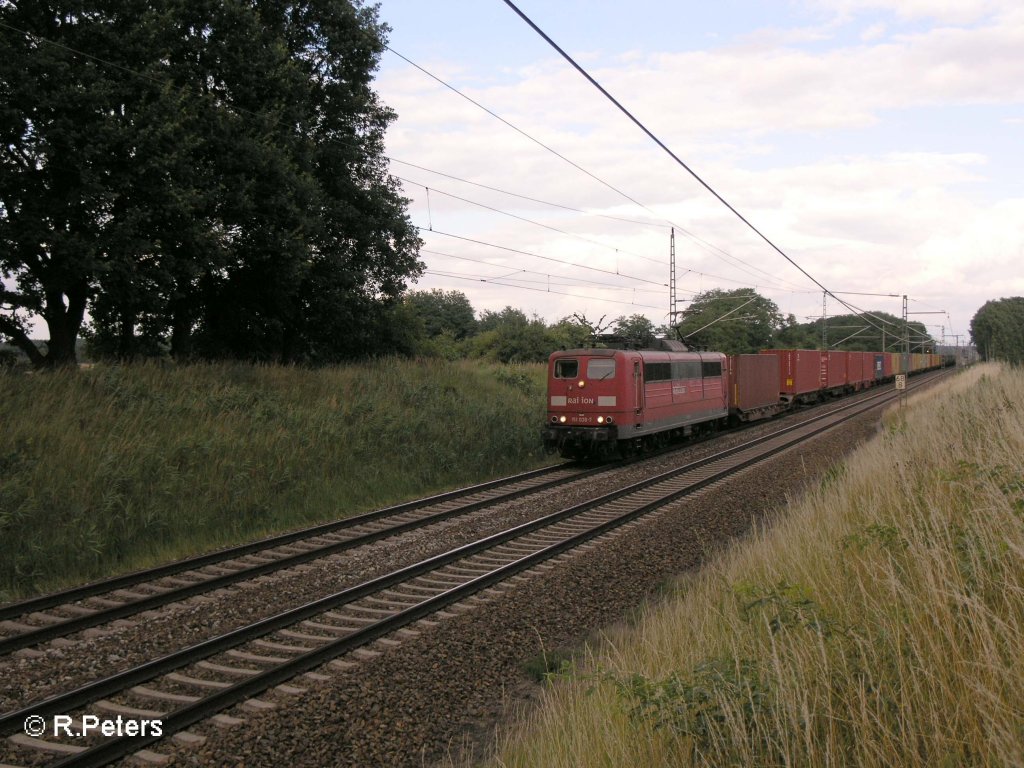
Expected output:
(602, 352)
(595, 352)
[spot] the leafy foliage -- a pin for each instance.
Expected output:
(998, 330)
(855, 333)
(697, 704)
(443, 312)
(734, 322)
(208, 179)
(635, 327)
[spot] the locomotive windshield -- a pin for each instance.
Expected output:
(566, 369)
(600, 368)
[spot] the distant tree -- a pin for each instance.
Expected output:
(796, 335)
(509, 336)
(443, 312)
(635, 327)
(570, 333)
(734, 322)
(868, 332)
(509, 316)
(997, 330)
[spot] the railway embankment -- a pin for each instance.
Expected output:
(116, 468)
(878, 621)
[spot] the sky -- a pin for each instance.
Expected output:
(877, 143)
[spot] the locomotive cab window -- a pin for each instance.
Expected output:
(600, 368)
(567, 369)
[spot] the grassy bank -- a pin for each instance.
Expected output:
(879, 623)
(113, 468)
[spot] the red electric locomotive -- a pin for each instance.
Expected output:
(607, 402)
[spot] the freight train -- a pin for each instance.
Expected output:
(607, 403)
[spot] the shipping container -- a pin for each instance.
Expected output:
(753, 386)
(834, 370)
(799, 372)
(855, 369)
(877, 364)
(868, 363)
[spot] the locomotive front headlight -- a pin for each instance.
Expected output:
(609, 420)
(562, 419)
(600, 419)
(581, 384)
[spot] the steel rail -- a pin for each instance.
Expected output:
(52, 599)
(84, 695)
(116, 748)
(210, 583)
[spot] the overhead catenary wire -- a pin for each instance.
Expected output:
(710, 247)
(530, 221)
(515, 128)
(653, 224)
(670, 153)
(574, 264)
(658, 141)
(165, 82)
(715, 250)
(617, 250)
(496, 281)
(546, 258)
(578, 280)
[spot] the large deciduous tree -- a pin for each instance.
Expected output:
(201, 175)
(636, 328)
(997, 330)
(734, 322)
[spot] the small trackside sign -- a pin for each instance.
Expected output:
(901, 381)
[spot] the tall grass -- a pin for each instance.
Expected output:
(879, 623)
(115, 467)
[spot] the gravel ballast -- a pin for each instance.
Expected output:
(442, 693)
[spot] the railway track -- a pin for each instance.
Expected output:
(38, 620)
(198, 683)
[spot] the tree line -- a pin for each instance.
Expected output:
(444, 324)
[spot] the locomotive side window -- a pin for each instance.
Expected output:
(600, 369)
(712, 370)
(686, 370)
(657, 371)
(567, 369)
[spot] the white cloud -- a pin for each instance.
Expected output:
(944, 11)
(874, 32)
(904, 221)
